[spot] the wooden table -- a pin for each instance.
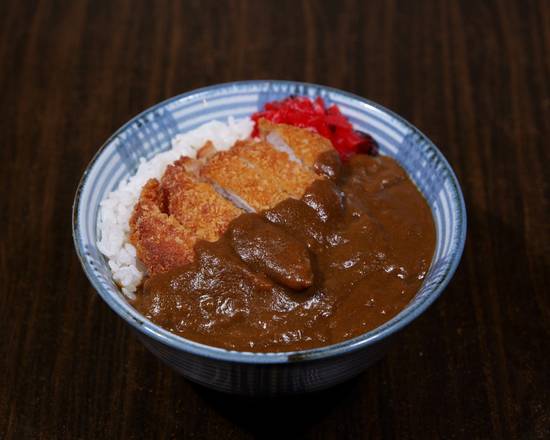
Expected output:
(474, 76)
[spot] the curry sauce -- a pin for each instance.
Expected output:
(340, 261)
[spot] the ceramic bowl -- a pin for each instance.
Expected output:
(267, 373)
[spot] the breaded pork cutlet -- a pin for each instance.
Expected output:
(306, 145)
(161, 241)
(243, 181)
(196, 205)
(171, 216)
(292, 177)
(258, 174)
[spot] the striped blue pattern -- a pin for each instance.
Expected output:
(269, 373)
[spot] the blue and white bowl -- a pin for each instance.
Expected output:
(267, 373)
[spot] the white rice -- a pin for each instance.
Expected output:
(116, 209)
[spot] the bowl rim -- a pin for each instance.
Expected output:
(124, 309)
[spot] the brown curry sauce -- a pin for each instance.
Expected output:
(307, 273)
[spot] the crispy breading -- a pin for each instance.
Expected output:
(161, 241)
(191, 166)
(206, 151)
(241, 178)
(292, 177)
(173, 214)
(196, 205)
(306, 144)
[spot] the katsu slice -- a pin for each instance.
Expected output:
(196, 205)
(276, 166)
(242, 181)
(160, 240)
(173, 214)
(306, 145)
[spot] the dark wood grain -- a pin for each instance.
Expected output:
(474, 76)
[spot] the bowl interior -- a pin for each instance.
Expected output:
(151, 132)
